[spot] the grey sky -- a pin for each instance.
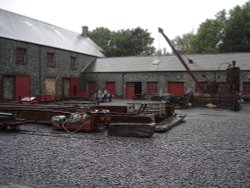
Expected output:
(175, 17)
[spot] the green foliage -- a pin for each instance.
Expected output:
(223, 34)
(237, 30)
(163, 51)
(102, 36)
(123, 42)
(208, 35)
(182, 44)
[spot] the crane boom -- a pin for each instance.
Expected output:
(181, 59)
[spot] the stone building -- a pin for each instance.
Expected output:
(127, 77)
(38, 58)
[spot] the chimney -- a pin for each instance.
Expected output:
(84, 31)
(233, 63)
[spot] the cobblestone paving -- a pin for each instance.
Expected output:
(210, 149)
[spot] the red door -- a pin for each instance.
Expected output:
(246, 89)
(22, 87)
(91, 88)
(110, 87)
(176, 88)
(74, 87)
(130, 90)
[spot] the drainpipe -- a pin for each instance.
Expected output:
(40, 71)
(123, 86)
(1, 86)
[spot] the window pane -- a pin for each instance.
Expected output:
(21, 56)
(73, 63)
(51, 60)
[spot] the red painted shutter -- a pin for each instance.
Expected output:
(91, 88)
(22, 88)
(110, 87)
(130, 90)
(74, 87)
(176, 88)
(152, 88)
(246, 89)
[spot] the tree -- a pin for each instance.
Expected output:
(237, 30)
(161, 52)
(102, 36)
(182, 43)
(124, 42)
(223, 34)
(209, 35)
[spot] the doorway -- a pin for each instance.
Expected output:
(133, 90)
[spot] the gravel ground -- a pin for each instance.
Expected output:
(210, 149)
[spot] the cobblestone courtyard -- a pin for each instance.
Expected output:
(210, 149)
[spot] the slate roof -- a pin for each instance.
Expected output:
(21, 28)
(206, 62)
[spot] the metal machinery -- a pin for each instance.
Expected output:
(226, 94)
(137, 119)
(8, 120)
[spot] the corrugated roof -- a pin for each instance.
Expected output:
(17, 27)
(204, 62)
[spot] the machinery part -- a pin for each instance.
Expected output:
(73, 124)
(8, 120)
(232, 80)
(75, 119)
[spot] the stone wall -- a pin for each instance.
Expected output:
(36, 66)
(161, 77)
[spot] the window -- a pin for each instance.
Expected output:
(152, 88)
(51, 60)
(73, 63)
(21, 56)
(50, 86)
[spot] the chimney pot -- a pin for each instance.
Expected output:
(84, 31)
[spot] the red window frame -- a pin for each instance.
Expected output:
(51, 60)
(73, 63)
(21, 56)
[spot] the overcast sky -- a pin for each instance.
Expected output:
(176, 17)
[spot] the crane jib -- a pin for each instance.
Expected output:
(181, 59)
